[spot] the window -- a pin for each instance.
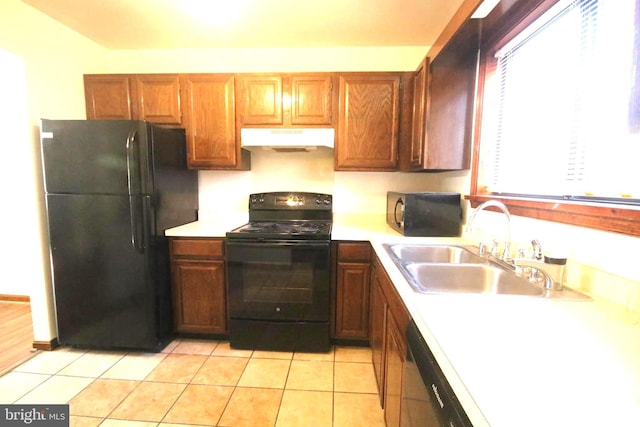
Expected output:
(560, 119)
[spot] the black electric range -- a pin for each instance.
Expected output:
(279, 273)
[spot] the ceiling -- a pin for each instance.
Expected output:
(175, 24)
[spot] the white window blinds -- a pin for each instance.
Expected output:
(556, 118)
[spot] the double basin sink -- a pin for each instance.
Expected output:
(460, 269)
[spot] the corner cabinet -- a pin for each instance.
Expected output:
(285, 100)
(368, 125)
(208, 110)
(389, 320)
(352, 291)
(198, 282)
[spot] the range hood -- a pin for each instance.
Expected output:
(286, 139)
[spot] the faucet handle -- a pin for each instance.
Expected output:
(482, 248)
(537, 249)
(495, 247)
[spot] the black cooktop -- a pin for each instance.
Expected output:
(287, 215)
(283, 230)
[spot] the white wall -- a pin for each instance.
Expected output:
(51, 59)
(17, 183)
(398, 58)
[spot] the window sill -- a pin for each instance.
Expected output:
(613, 218)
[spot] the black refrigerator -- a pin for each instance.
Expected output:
(112, 188)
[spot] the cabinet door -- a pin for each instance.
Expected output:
(199, 296)
(159, 98)
(420, 114)
(311, 99)
(368, 122)
(378, 315)
(352, 301)
(260, 99)
(394, 372)
(108, 97)
(208, 106)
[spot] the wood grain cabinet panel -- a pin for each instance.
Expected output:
(260, 99)
(352, 291)
(395, 350)
(368, 121)
(389, 319)
(159, 98)
(419, 139)
(198, 280)
(151, 97)
(109, 96)
(285, 100)
(377, 325)
(312, 99)
(199, 296)
(208, 108)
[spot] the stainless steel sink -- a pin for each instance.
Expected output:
(443, 268)
(433, 254)
(467, 278)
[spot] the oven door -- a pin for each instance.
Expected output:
(279, 280)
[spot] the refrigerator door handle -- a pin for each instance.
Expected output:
(136, 241)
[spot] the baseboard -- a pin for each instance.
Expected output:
(15, 298)
(46, 345)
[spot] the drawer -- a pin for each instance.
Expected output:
(354, 252)
(210, 248)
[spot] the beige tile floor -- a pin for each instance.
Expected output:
(202, 383)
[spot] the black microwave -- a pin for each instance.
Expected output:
(426, 214)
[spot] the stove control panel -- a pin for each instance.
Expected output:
(290, 200)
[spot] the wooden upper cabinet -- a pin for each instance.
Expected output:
(208, 108)
(368, 122)
(285, 100)
(108, 96)
(159, 98)
(260, 99)
(312, 99)
(151, 97)
(420, 115)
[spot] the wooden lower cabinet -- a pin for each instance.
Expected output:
(395, 351)
(352, 291)
(378, 319)
(389, 319)
(198, 285)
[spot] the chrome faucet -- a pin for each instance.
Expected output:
(536, 267)
(507, 215)
(552, 269)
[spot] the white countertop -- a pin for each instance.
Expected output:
(512, 361)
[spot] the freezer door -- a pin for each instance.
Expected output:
(94, 156)
(104, 259)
